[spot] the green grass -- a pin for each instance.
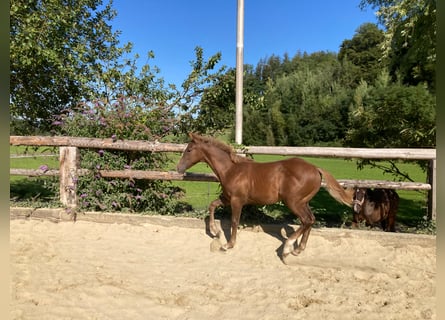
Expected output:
(33, 191)
(32, 158)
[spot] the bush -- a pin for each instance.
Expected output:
(128, 118)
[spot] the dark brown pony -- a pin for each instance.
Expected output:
(244, 181)
(373, 206)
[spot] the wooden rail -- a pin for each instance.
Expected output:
(70, 163)
(132, 145)
(359, 153)
(210, 177)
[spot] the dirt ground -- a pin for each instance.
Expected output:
(90, 270)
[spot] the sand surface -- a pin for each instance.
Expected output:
(89, 270)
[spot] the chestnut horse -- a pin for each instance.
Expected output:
(244, 181)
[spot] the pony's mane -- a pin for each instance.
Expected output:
(226, 148)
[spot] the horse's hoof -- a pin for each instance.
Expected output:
(226, 247)
(287, 249)
(284, 256)
(290, 260)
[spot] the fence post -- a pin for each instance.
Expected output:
(432, 192)
(69, 160)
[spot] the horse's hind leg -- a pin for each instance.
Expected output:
(307, 219)
(289, 245)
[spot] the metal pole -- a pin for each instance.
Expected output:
(239, 73)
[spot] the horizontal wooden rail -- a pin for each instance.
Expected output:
(131, 145)
(209, 177)
(334, 152)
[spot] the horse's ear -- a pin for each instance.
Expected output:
(193, 136)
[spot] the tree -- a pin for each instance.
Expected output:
(269, 68)
(305, 105)
(410, 38)
(56, 49)
(135, 107)
(364, 53)
(216, 110)
(392, 116)
(217, 106)
(63, 53)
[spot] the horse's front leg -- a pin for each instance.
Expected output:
(355, 220)
(214, 230)
(236, 214)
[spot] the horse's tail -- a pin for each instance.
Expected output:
(336, 190)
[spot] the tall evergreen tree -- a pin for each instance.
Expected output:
(363, 53)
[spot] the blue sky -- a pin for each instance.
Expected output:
(173, 28)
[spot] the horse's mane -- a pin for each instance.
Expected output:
(226, 148)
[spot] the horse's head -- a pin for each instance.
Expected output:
(358, 199)
(191, 155)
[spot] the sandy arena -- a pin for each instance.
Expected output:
(90, 270)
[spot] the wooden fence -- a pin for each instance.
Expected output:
(69, 159)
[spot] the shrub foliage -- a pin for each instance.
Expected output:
(124, 118)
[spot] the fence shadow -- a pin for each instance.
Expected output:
(328, 213)
(33, 189)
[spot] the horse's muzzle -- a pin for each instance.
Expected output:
(180, 169)
(357, 206)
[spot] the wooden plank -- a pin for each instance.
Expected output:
(156, 146)
(69, 164)
(158, 175)
(125, 174)
(334, 152)
(131, 145)
(384, 184)
(208, 177)
(33, 172)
